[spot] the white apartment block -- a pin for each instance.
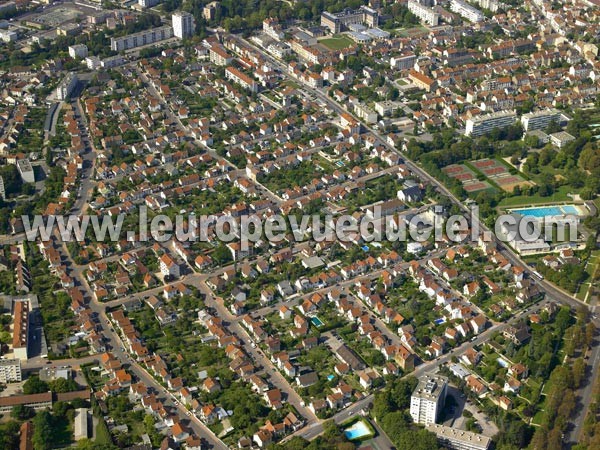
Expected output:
(365, 113)
(455, 439)
(78, 51)
(148, 3)
(142, 38)
(10, 370)
(26, 170)
(183, 24)
(428, 399)
(538, 120)
(272, 28)
(424, 13)
(466, 11)
(66, 86)
(480, 125)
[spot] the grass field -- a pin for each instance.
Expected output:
(337, 42)
(526, 200)
(592, 267)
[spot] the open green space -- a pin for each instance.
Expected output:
(337, 42)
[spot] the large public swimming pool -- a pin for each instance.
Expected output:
(545, 211)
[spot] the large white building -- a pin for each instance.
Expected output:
(428, 399)
(466, 11)
(78, 51)
(183, 24)
(455, 439)
(80, 424)
(424, 13)
(142, 38)
(66, 86)
(2, 191)
(538, 120)
(10, 370)
(26, 170)
(480, 125)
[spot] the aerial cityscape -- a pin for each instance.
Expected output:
(299, 224)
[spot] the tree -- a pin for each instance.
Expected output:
(42, 431)
(22, 412)
(34, 385)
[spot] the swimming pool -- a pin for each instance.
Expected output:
(545, 211)
(440, 321)
(316, 322)
(357, 431)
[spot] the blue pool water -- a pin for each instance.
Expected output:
(365, 248)
(357, 431)
(330, 377)
(440, 321)
(316, 322)
(544, 211)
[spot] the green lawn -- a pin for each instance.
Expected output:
(337, 42)
(526, 200)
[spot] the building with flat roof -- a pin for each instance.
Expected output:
(455, 439)
(2, 191)
(480, 125)
(66, 86)
(26, 170)
(428, 399)
(538, 120)
(142, 38)
(183, 24)
(80, 424)
(337, 22)
(424, 13)
(78, 51)
(466, 11)
(10, 370)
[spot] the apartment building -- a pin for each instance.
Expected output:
(183, 24)
(210, 10)
(10, 370)
(142, 38)
(466, 11)
(539, 120)
(239, 77)
(78, 51)
(428, 399)
(219, 56)
(20, 329)
(424, 13)
(66, 86)
(26, 170)
(455, 439)
(480, 125)
(273, 29)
